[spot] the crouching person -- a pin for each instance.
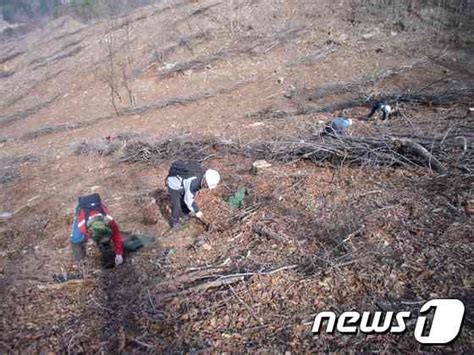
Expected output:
(92, 220)
(338, 127)
(185, 179)
(381, 107)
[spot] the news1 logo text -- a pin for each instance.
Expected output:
(442, 327)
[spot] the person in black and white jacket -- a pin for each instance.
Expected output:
(382, 107)
(185, 179)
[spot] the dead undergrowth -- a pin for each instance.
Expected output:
(434, 153)
(371, 239)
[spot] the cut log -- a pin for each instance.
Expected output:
(420, 151)
(259, 166)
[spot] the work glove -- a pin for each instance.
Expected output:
(118, 260)
(199, 215)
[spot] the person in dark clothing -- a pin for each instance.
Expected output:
(382, 107)
(185, 179)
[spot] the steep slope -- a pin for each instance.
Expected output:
(244, 72)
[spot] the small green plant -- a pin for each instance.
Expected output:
(237, 199)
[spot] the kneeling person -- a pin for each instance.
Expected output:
(185, 179)
(92, 220)
(338, 127)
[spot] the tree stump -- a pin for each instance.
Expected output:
(259, 166)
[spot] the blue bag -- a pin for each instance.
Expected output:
(76, 235)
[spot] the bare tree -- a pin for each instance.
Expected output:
(117, 71)
(110, 76)
(127, 65)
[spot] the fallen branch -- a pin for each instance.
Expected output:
(265, 232)
(222, 280)
(271, 272)
(215, 283)
(423, 153)
(100, 305)
(141, 343)
(192, 276)
(202, 287)
(247, 307)
(207, 267)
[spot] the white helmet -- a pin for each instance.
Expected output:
(349, 121)
(212, 178)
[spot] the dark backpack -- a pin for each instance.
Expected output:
(91, 203)
(98, 227)
(186, 169)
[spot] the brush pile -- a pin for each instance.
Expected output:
(359, 151)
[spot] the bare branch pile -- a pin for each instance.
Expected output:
(362, 151)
